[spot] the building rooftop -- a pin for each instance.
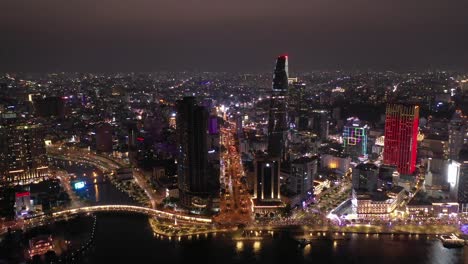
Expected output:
(304, 160)
(366, 166)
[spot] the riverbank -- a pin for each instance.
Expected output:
(172, 229)
(68, 236)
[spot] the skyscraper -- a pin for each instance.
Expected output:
(303, 172)
(197, 183)
(277, 122)
(22, 153)
(320, 123)
(457, 131)
(267, 185)
(355, 138)
(463, 179)
(401, 131)
(104, 138)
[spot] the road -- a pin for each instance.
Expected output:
(235, 205)
(142, 181)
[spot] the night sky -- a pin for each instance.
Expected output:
(232, 35)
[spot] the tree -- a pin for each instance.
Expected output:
(286, 211)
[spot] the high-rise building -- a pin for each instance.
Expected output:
(197, 182)
(296, 96)
(463, 179)
(213, 127)
(267, 200)
(453, 179)
(267, 183)
(355, 138)
(301, 180)
(387, 174)
(365, 177)
(277, 122)
(320, 123)
(22, 153)
(401, 131)
(104, 138)
(457, 131)
(132, 142)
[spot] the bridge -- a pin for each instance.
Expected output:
(132, 209)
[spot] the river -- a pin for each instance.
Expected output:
(126, 238)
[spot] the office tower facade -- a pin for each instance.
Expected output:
(22, 153)
(387, 174)
(296, 95)
(320, 123)
(463, 179)
(457, 132)
(132, 142)
(277, 121)
(401, 131)
(364, 177)
(213, 127)
(453, 178)
(196, 182)
(104, 138)
(267, 184)
(355, 138)
(303, 172)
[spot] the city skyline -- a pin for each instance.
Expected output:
(207, 131)
(104, 36)
(238, 155)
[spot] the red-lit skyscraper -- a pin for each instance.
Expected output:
(401, 132)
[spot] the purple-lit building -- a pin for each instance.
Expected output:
(213, 127)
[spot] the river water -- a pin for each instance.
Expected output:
(127, 238)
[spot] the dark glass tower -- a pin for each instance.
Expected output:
(196, 181)
(277, 122)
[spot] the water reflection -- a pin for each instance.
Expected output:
(100, 189)
(307, 249)
(239, 246)
(96, 191)
(257, 246)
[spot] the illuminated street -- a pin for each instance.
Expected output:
(235, 205)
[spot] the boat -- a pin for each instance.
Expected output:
(452, 241)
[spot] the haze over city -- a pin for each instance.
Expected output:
(236, 36)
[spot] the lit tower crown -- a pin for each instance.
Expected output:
(280, 77)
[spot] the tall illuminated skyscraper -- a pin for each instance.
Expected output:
(267, 198)
(355, 137)
(22, 153)
(277, 122)
(267, 184)
(401, 131)
(197, 184)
